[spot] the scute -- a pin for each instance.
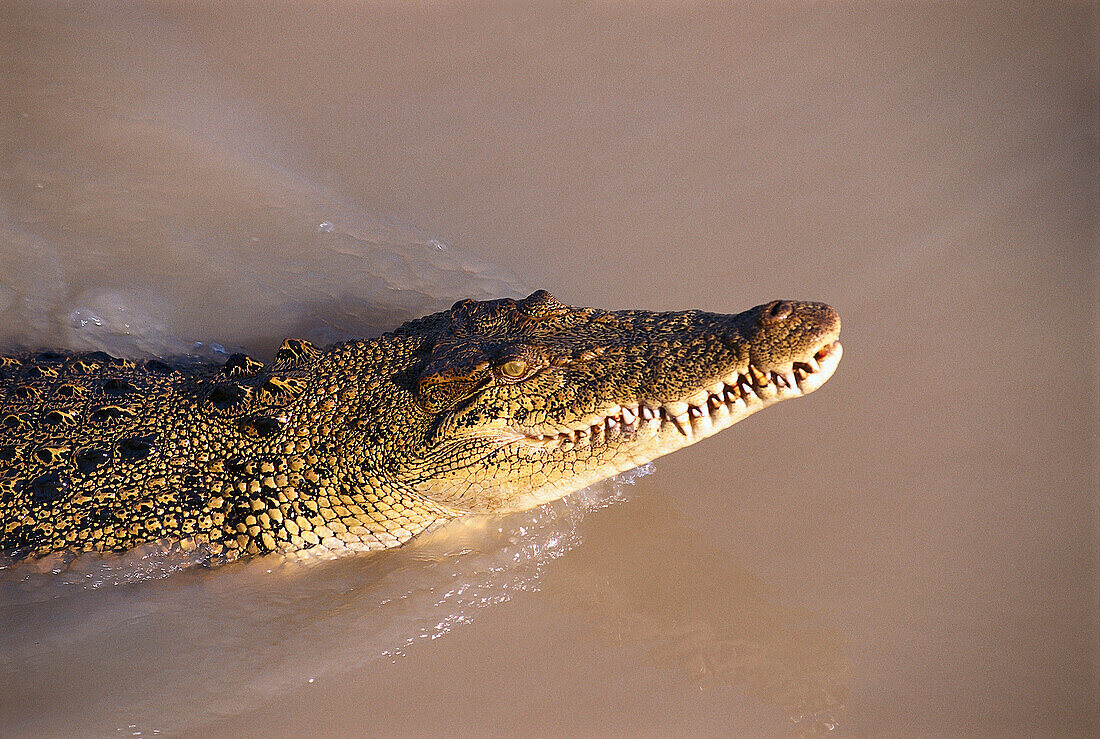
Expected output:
(47, 488)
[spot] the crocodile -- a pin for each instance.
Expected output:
(488, 407)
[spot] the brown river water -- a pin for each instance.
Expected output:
(912, 550)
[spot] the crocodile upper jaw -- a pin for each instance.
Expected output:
(701, 414)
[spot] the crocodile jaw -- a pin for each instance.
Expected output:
(608, 392)
(679, 423)
(627, 435)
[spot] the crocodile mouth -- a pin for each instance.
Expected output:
(703, 413)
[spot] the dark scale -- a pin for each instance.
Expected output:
(39, 371)
(191, 489)
(119, 363)
(284, 387)
(294, 352)
(158, 367)
(224, 397)
(236, 466)
(28, 392)
(117, 386)
(84, 366)
(60, 418)
(15, 422)
(69, 390)
(89, 460)
(240, 365)
(137, 447)
(260, 426)
(110, 413)
(50, 456)
(47, 488)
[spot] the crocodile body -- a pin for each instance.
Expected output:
(491, 406)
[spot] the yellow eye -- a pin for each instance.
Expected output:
(514, 369)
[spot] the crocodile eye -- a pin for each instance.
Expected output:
(514, 369)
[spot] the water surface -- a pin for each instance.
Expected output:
(912, 549)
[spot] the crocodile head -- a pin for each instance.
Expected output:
(519, 402)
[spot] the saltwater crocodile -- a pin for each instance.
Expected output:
(489, 407)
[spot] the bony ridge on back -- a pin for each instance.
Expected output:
(489, 407)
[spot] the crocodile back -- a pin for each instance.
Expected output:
(100, 453)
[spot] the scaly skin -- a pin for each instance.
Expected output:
(488, 407)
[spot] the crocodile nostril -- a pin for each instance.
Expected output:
(778, 310)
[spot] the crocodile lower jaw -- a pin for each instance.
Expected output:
(705, 412)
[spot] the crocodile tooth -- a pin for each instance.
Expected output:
(628, 416)
(675, 408)
(683, 423)
(760, 379)
(611, 423)
(646, 413)
(695, 412)
(800, 374)
(714, 403)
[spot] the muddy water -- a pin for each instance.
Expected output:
(911, 549)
